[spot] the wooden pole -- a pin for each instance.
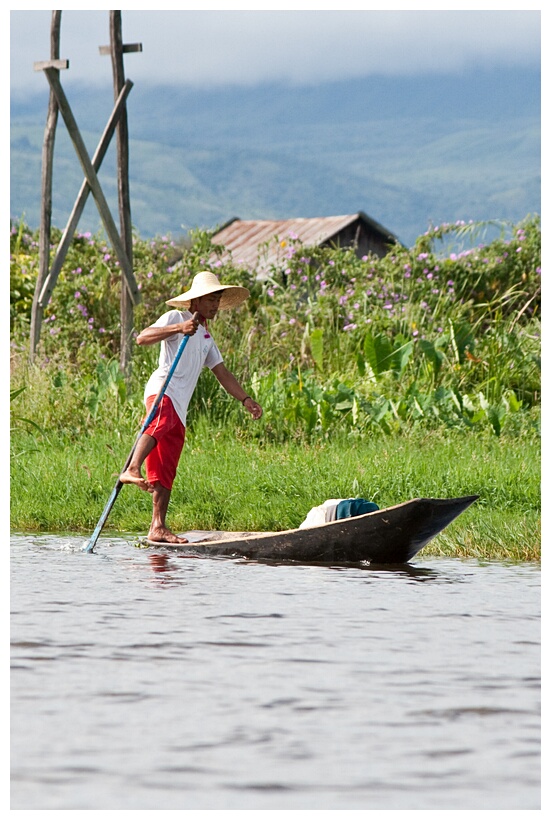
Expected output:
(37, 311)
(126, 306)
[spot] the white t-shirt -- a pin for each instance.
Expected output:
(200, 351)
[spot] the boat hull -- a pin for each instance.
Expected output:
(390, 536)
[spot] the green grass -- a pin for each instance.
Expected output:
(230, 484)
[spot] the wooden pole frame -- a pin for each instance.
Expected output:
(93, 182)
(68, 233)
(122, 245)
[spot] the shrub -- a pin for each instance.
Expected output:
(327, 341)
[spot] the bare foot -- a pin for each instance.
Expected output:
(162, 534)
(130, 477)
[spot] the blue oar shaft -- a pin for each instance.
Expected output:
(151, 415)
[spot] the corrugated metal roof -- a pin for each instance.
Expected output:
(256, 243)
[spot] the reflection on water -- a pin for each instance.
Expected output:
(148, 680)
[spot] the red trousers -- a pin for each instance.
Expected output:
(169, 433)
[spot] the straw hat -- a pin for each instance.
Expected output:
(207, 282)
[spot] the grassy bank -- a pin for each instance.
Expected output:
(231, 484)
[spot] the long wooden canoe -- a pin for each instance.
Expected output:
(390, 536)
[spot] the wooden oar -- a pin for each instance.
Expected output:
(117, 488)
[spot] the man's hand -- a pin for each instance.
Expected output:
(189, 327)
(253, 407)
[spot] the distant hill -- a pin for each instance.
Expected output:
(405, 151)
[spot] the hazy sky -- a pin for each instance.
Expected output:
(212, 47)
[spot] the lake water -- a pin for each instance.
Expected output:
(143, 680)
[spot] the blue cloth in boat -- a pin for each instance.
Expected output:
(349, 507)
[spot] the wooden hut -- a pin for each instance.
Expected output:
(257, 244)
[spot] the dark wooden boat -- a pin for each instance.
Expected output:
(390, 536)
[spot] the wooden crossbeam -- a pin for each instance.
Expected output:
(68, 233)
(93, 182)
(127, 49)
(57, 64)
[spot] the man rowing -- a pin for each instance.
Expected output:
(160, 446)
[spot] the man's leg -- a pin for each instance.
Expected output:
(160, 448)
(133, 473)
(158, 530)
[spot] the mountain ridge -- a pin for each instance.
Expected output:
(408, 152)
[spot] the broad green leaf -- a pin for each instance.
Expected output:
(316, 347)
(378, 352)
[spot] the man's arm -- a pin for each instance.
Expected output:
(151, 335)
(232, 386)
